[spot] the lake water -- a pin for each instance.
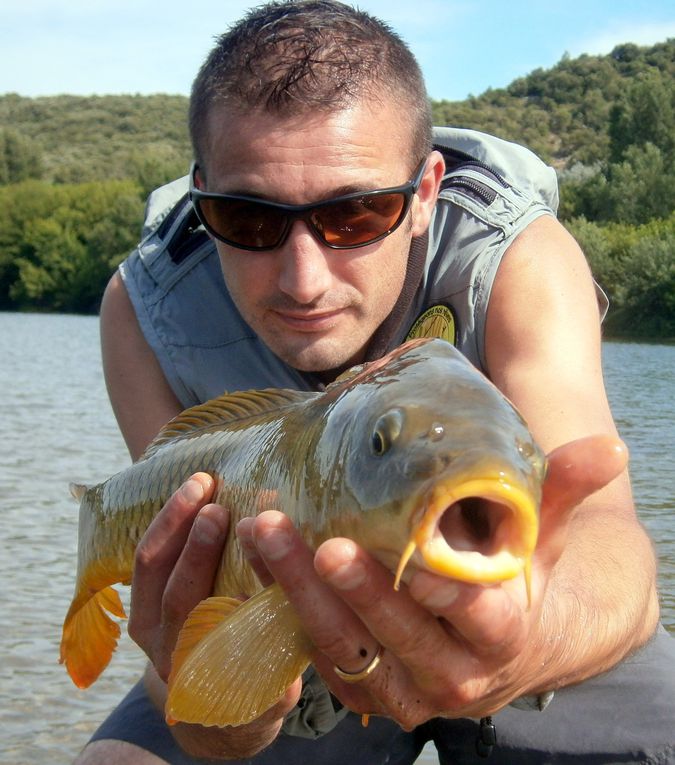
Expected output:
(57, 426)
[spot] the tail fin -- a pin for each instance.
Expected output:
(90, 636)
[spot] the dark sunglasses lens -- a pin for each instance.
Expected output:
(243, 223)
(358, 221)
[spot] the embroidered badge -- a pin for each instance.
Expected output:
(437, 321)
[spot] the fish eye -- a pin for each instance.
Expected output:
(386, 431)
(378, 444)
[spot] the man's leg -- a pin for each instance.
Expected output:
(136, 734)
(118, 752)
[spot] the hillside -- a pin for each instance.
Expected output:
(76, 139)
(565, 114)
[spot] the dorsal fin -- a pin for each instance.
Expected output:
(363, 372)
(347, 376)
(226, 409)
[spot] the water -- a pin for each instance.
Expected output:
(57, 427)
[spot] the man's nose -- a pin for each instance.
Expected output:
(304, 272)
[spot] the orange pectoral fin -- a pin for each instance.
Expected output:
(230, 666)
(90, 636)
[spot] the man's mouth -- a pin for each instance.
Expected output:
(309, 321)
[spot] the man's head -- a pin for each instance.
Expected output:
(311, 56)
(302, 104)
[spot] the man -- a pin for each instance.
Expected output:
(333, 229)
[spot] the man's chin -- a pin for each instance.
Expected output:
(322, 357)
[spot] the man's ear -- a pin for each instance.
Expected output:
(200, 182)
(425, 198)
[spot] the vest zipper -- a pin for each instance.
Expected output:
(484, 193)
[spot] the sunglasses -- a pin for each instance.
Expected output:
(341, 223)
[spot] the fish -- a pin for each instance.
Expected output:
(417, 457)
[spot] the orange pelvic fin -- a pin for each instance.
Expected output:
(90, 636)
(202, 620)
(230, 666)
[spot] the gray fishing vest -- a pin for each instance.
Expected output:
(491, 191)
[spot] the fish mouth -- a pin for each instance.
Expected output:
(483, 531)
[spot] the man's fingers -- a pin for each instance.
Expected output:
(406, 629)
(575, 471)
(245, 536)
(291, 563)
(192, 578)
(158, 551)
(490, 620)
(580, 468)
(332, 626)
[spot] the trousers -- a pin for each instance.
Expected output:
(626, 715)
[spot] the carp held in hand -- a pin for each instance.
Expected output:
(417, 457)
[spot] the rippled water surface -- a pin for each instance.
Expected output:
(57, 426)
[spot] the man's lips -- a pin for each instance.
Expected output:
(309, 321)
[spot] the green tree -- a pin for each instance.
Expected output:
(65, 251)
(645, 115)
(20, 158)
(635, 265)
(641, 186)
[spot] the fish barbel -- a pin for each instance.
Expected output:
(417, 457)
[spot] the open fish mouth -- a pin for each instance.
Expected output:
(483, 531)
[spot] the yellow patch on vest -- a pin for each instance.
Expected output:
(437, 321)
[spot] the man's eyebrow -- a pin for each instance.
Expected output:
(339, 191)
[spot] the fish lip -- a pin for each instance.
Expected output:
(468, 565)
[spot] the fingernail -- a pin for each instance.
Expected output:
(350, 573)
(441, 597)
(192, 491)
(274, 544)
(244, 530)
(207, 530)
(348, 576)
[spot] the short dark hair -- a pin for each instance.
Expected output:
(291, 56)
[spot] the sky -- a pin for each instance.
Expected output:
(84, 47)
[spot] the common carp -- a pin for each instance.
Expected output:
(417, 457)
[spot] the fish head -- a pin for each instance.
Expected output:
(441, 469)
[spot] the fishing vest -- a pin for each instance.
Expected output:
(491, 191)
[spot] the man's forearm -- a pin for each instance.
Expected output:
(238, 743)
(601, 603)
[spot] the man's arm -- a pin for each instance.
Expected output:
(543, 351)
(141, 398)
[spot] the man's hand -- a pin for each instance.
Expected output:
(175, 566)
(450, 648)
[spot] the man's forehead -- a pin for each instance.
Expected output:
(363, 132)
